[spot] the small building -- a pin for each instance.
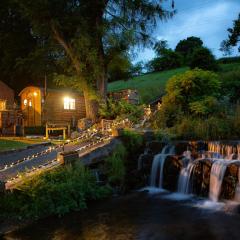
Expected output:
(130, 95)
(52, 106)
(10, 117)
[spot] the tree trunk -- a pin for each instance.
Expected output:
(91, 106)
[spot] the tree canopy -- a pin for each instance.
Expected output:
(203, 58)
(187, 46)
(233, 37)
(165, 58)
(84, 36)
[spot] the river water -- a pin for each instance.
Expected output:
(141, 216)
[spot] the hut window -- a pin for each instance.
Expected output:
(25, 102)
(2, 104)
(69, 103)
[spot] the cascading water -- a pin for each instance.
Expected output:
(158, 165)
(216, 178)
(237, 190)
(184, 184)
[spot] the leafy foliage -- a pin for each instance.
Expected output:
(56, 192)
(133, 140)
(185, 90)
(116, 166)
(233, 37)
(187, 46)
(120, 109)
(231, 84)
(197, 107)
(119, 68)
(204, 59)
(166, 58)
(86, 36)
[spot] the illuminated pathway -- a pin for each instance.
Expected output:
(40, 158)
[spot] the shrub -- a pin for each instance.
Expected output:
(121, 109)
(115, 166)
(213, 128)
(203, 58)
(56, 192)
(170, 60)
(131, 140)
(231, 84)
(164, 135)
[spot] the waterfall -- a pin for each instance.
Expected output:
(237, 190)
(216, 178)
(158, 165)
(184, 181)
(226, 151)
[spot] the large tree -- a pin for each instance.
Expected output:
(16, 42)
(166, 58)
(90, 34)
(204, 59)
(187, 46)
(233, 37)
(25, 59)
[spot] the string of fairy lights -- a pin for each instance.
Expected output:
(56, 162)
(85, 135)
(91, 135)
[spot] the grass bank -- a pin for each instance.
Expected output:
(152, 85)
(149, 85)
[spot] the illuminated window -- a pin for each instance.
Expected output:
(69, 103)
(25, 102)
(2, 105)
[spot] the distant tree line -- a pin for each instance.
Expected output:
(188, 52)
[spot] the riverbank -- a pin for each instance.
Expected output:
(140, 215)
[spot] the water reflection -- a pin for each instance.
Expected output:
(138, 216)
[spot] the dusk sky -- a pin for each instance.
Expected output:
(207, 19)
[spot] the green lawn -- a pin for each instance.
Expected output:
(150, 86)
(6, 145)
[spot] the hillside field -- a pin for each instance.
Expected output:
(152, 85)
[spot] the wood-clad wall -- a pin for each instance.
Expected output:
(7, 122)
(6, 93)
(54, 112)
(50, 108)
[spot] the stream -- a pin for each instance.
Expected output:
(153, 215)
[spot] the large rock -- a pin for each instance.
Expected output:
(230, 181)
(154, 147)
(201, 177)
(172, 168)
(145, 161)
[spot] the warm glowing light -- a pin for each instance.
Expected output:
(25, 102)
(30, 103)
(35, 94)
(69, 103)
